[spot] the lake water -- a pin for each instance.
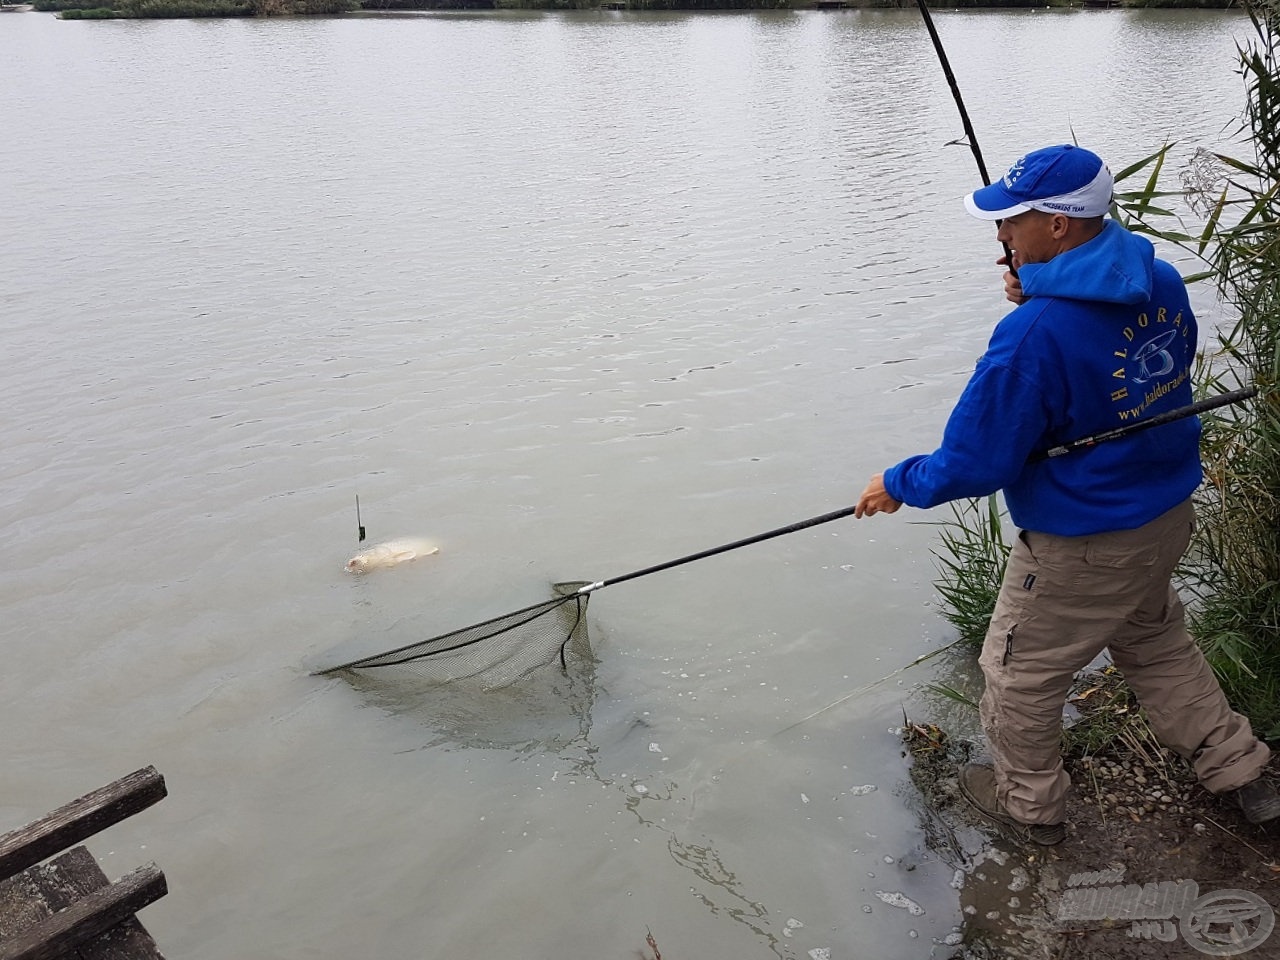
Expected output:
(570, 294)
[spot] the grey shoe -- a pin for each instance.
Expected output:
(1258, 800)
(978, 786)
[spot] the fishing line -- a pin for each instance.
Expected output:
(868, 686)
(747, 749)
(964, 114)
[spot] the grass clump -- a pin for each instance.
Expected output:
(971, 562)
(1107, 715)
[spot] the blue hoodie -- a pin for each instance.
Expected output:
(1107, 339)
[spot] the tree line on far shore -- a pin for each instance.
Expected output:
(115, 9)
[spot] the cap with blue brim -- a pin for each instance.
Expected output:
(1064, 179)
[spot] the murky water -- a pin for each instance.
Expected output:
(572, 295)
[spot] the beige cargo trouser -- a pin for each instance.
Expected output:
(1062, 601)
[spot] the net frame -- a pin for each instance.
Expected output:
(442, 645)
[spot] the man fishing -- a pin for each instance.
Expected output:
(1103, 335)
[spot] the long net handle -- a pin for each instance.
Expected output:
(1235, 396)
(702, 555)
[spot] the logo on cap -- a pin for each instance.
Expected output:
(1015, 172)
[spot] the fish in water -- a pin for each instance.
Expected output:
(390, 554)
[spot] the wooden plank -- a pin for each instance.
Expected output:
(41, 891)
(80, 874)
(65, 879)
(79, 819)
(21, 905)
(75, 874)
(87, 917)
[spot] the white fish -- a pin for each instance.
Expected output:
(390, 554)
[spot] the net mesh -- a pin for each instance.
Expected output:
(498, 652)
(548, 710)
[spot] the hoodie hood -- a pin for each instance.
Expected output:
(1113, 267)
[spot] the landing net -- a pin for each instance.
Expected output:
(497, 652)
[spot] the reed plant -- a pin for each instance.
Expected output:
(1232, 570)
(1234, 565)
(971, 561)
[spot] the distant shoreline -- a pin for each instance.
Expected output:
(173, 9)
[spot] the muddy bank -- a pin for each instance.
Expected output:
(1152, 866)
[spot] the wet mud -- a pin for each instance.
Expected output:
(1152, 865)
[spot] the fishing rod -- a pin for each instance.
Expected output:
(964, 114)
(955, 91)
(1082, 443)
(1200, 406)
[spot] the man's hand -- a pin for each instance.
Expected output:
(1012, 285)
(875, 499)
